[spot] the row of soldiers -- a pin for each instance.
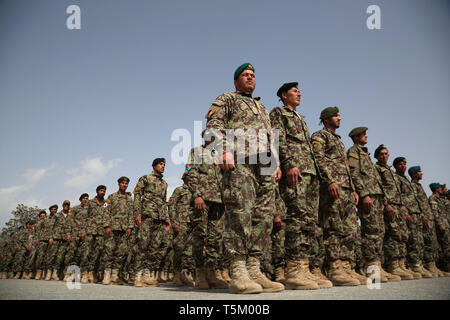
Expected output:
(294, 229)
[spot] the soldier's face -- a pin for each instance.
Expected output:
(101, 193)
(419, 175)
(361, 138)
(160, 167)
(401, 167)
(383, 156)
(42, 216)
(334, 121)
(123, 186)
(66, 207)
(245, 82)
(84, 200)
(53, 210)
(292, 97)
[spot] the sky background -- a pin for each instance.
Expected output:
(79, 108)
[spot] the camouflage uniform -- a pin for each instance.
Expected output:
(415, 238)
(337, 217)
(20, 241)
(440, 216)
(302, 201)
(44, 232)
(73, 228)
(248, 194)
(396, 231)
(278, 234)
(150, 203)
(367, 182)
(31, 257)
(61, 228)
(120, 217)
(204, 179)
(181, 214)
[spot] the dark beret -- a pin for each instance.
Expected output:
(398, 160)
(286, 87)
(157, 161)
(126, 179)
(83, 195)
(100, 187)
(53, 206)
(378, 150)
(434, 185)
(42, 212)
(414, 169)
(242, 67)
(357, 131)
(329, 112)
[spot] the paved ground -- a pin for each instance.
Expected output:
(424, 289)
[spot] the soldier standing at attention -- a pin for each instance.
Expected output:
(42, 243)
(338, 200)
(248, 190)
(299, 188)
(372, 202)
(151, 214)
(120, 217)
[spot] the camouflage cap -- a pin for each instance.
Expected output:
(414, 169)
(357, 131)
(66, 202)
(329, 112)
(286, 87)
(242, 67)
(121, 179)
(398, 160)
(378, 150)
(434, 186)
(53, 206)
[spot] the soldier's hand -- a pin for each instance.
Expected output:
(293, 176)
(390, 212)
(176, 228)
(132, 240)
(227, 162)
(128, 233)
(68, 238)
(367, 203)
(36, 242)
(50, 241)
(29, 248)
(18, 248)
(199, 204)
(138, 221)
(409, 219)
(277, 222)
(13, 251)
(442, 228)
(278, 174)
(83, 236)
(168, 225)
(107, 232)
(333, 189)
(356, 198)
(405, 210)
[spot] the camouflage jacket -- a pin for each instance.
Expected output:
(61, 227)
(80, 216)
(180, 206)
(365, 176)
(331, 158)
(44, 229)
(120, 211)
(150, 197)
(95, 218)
(204, 177)
(422, 198)
(391, 184)
(295, 148)
(21, 238)
(238, 110)
(408, 194)
(438, 210)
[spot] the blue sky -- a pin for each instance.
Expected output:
(79, 108)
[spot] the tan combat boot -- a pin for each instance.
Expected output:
(48, 275)
(187, 278)
(3, 275)
(226, 276)
(352, 273)
(240, 279)
(419, 269)
(254, 271)
(339, 277)
(17, 276)
(440, 272)
(430, 268)
(375, 265)
(391, 277)
(296, 280)
(200, 278)
(177, 280)
(138, 279)
(115, 277)
(84, 277)
(303, 267)
(91, 276)
(279, 275)
(107, 276)
(394, 268)
(214, 279)
(149, 279)
(170, 276)
(25, 276)
(55, 275)
(318, 273)
(38, 274)
(402, 265)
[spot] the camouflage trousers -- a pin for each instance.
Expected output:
(372, 229)
(357, 260)
(249, 198)
(317, 249)
(430, 243)
(415, 239)
(130, 258)
(41, 256)
(152, 244)
(72, 257)
(444, 246)
(396, 235)
(168, 264)
(208, 227)
(30, 259)
(56, 253)
(182, 247)
(277, 248)
(266, 259)
(6, 261)
(19, 260)
(167, 256)
(91, 250)
(302, 204)
(339, 221)
(115, 249)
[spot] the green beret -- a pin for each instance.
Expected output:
(434, 185)
(286, 87)
(184, 176)
(357, 131)
(398, 160)
(378, 150)
(66, 202)
(53, 206)
(329, 112)
(83, 195)
(242, 67)
(414, 169)
(126, 179)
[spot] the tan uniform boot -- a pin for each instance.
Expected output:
(91, 276)
(55, 275)
(296, 280)
(254, 271)
(418, 268)
(187, 278)
(391, 277)
(429, 266)
(177, 280)
(226, 276)
(440, 272)
(323, 281)
(17, 276)
(24, 275)
(115, 277)
(303, 267)
(240, 279)
(84, 277)
(170, 276)
(107, 276)
(394, 268)
(149, 279)
(214, 279)
(352, 273)
(402, 265)
(3, 275)
(48, 275)
(339, 277)
(159, 276)
(200, 278)
(375, 265)
(38, 274)
(279, 275)
(138, 279)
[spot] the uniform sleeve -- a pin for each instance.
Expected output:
(217, 119)
(192, 169)
(138, 194)
(285, 157)
(173, 206)
(324, 165)
(130, 213)
(355, 173)
(107, 213)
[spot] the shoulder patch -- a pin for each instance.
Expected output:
(188, 167)
(212, 110)
(316, 145)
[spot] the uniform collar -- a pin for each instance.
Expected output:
(156, 174)
(333, 133)
(248, 95)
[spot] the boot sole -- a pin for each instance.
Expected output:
(246, 291)
(294, 287)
